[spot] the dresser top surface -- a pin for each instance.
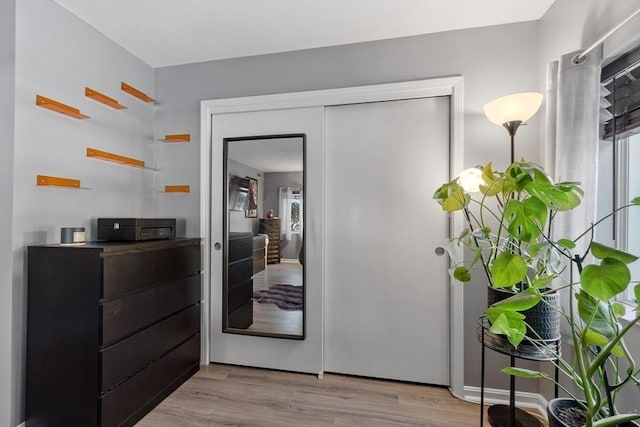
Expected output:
(105, 246)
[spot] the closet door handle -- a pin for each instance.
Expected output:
(217, 246)
(439, 251)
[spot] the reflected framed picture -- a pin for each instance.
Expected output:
(252, 202)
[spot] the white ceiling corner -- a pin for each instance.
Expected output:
(172, 32)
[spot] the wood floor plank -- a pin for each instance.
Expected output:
(224, 395)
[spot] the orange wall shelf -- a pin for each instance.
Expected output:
(97, 96)
(178, 137)
(116, 158)
(135, 92)
(59, 107)
(55, 181)
(177, 189)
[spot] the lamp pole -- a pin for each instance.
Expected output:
(512, 128)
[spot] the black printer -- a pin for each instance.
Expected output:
(136, 229)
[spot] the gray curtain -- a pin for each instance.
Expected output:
(572, 134)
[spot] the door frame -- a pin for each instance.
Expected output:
(447, 86)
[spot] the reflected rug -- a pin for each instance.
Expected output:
(286, 297)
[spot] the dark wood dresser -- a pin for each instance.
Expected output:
(112, 329)
(259, 249)
(239, 304)
(271, 227)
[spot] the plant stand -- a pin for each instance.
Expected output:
(509, 415)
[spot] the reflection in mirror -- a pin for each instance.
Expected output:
(263, 287)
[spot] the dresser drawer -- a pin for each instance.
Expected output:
(258, 254)
(131, 271)
(242, 317)
(129, 356)
(124, 316)
(239, 271)
(239, 294)
(240, 247)
(271, 227)
(258, 265)
(259, 242)
(122, 405)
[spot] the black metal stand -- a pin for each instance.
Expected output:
(509, 415)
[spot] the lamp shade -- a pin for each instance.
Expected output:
(516, 107)
(471, 179)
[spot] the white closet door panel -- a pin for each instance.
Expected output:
(386, 293)
(273, 353)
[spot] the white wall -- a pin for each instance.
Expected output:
(494, 61)
(571, 25)
(57, 55)
(7, 79)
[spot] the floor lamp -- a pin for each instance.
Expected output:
(512, 110)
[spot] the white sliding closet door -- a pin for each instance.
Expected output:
(386, 293)
(266, 352)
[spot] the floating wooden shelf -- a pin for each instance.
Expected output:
(135, 92)
(177, 189)
(95, 95)
(44, 180)
(116, 158)
(59, 107)
(179, 137)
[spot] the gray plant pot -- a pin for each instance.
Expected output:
(566, 412)
(543, 319)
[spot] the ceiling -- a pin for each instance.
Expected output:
(171, 32)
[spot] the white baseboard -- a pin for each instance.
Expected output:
(494, 396)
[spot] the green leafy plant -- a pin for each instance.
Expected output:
(509, 218)
(601, 363)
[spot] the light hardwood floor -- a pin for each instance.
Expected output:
(224, 395)
(288, 273)
(268, 318)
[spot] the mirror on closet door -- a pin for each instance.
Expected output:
(263, 263)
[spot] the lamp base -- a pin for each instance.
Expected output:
(499, 417)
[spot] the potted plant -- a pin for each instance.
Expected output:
(509, 218)
(601, 365)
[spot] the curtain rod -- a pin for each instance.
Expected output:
(582, 55)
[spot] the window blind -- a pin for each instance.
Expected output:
(621, 96)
